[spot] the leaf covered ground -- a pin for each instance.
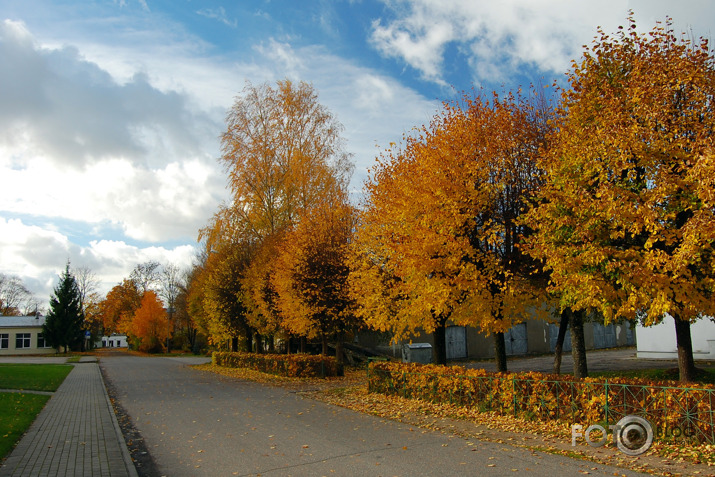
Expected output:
(553, 437)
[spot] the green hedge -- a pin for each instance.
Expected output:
(290, 365)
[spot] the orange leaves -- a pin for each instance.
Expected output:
(117, 309)
(290, 365)
(438, 236)
(150, 323)
(311, 272)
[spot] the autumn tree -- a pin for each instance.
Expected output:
(625, 223)
(222, 296)
(118, 307)
(63, 324)
(150, 324)
(261, 295)
(170, 287)
(281, 150)
(438, 233)
(311, 279)
(283, 154)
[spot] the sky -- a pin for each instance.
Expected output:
(111, 110)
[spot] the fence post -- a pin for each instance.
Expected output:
(606, 404)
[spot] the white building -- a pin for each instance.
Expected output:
(113, 341)
(658, 341)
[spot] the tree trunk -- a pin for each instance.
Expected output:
(686, 364)
(340, 356)
(271, 344)
(578, 344)
(500, 352)
(324, 340)
(439, 352)
(234, 344)
(302, 344)
(259, 343)
(563, 326)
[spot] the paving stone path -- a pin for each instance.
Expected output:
(76, 434)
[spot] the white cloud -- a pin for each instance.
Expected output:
(499, 38)
(39, 255)
(119, 139)
(218, 14)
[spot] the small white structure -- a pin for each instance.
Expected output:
(658, 341)
(112, 341)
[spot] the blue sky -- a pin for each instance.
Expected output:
(110, 110)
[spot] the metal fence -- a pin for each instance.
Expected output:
(674, 412)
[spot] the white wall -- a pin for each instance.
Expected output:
(658, 341)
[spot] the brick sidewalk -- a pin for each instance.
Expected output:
(76, 434)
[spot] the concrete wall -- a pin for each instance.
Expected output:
(658, 341)
(534, 337)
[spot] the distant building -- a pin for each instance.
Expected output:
(112, 341)
(658, 341)
(22, 335)
(530, 337)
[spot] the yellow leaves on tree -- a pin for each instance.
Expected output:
(150, 324)
(438, 235)
(626, 220)
(281, 150)
(311, 274)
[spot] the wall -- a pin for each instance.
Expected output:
(658, 341)
(33, 349)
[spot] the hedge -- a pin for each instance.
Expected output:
(555, 397)
(290, 365)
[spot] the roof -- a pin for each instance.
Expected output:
(21, 321)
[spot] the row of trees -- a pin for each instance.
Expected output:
(275, 263)
(502, 207)
(150, 308)
(602, 204)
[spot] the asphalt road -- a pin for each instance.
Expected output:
(196, 423)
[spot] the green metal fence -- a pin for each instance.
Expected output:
(674, 412)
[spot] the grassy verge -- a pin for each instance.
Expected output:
(706, 376)
(17, 411)
(35, 377)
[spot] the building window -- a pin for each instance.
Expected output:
(4, 341)
(22, 340)
(41, 341)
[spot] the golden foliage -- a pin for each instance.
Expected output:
(625, 224)
(290, 365)
(438, 235)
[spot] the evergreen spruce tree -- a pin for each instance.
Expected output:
(63, 326)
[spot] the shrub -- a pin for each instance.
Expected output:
(549, 397)
(290, 365)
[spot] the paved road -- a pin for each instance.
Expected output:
(197, 423)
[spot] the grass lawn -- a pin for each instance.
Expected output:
(706, 375)
(35, 377)
(17, 411)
